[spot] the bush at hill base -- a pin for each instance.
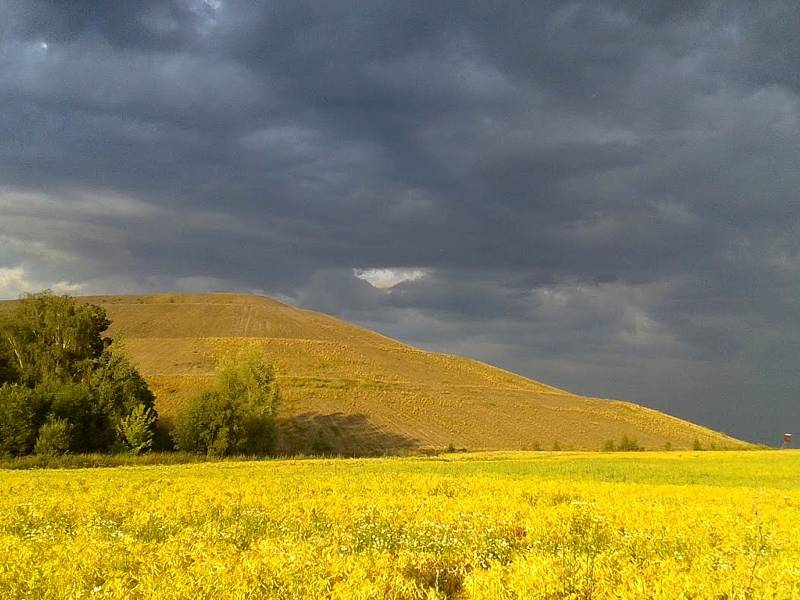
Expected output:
(237, 415)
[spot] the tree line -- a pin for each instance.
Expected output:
(65, 388)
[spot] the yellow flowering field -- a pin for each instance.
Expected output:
(514, 525)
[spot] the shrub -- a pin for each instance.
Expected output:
(94, 430)
(54, 438)
(320, 446)
(136, 430)
(217, 425)
(118, 387)
(627, 444)
(22, 412)
(259, 433)
(237, 415)
(696, 445)
(162, 436)
(205, 425)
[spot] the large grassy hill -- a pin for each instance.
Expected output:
(347, 389)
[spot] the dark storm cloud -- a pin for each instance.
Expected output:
(602, 195)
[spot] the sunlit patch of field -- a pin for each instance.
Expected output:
(492, 525)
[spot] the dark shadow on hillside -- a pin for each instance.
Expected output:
(338, 434)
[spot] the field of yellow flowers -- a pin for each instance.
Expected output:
(535, 525)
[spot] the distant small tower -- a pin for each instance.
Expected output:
(787, 440)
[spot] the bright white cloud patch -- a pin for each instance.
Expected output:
(388, 278)
(11, 279)
(15, 281)
(66, 287)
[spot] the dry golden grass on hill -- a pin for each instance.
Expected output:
(350, 390)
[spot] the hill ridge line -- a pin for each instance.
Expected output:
(357, 391)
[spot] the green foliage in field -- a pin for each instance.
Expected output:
(237, 415)
(136, 430)
(52, 338)
(96, 460)
(54, 439)
(22, 413)
(626, 444)
(63, 390)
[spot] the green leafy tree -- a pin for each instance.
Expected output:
(53, 352)
(247, 378)
(118, 387)
(94, 429)
(136, 430)
(22, 412)
(237, 415)
(50, 337)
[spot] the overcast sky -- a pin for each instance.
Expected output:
(604, 196)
